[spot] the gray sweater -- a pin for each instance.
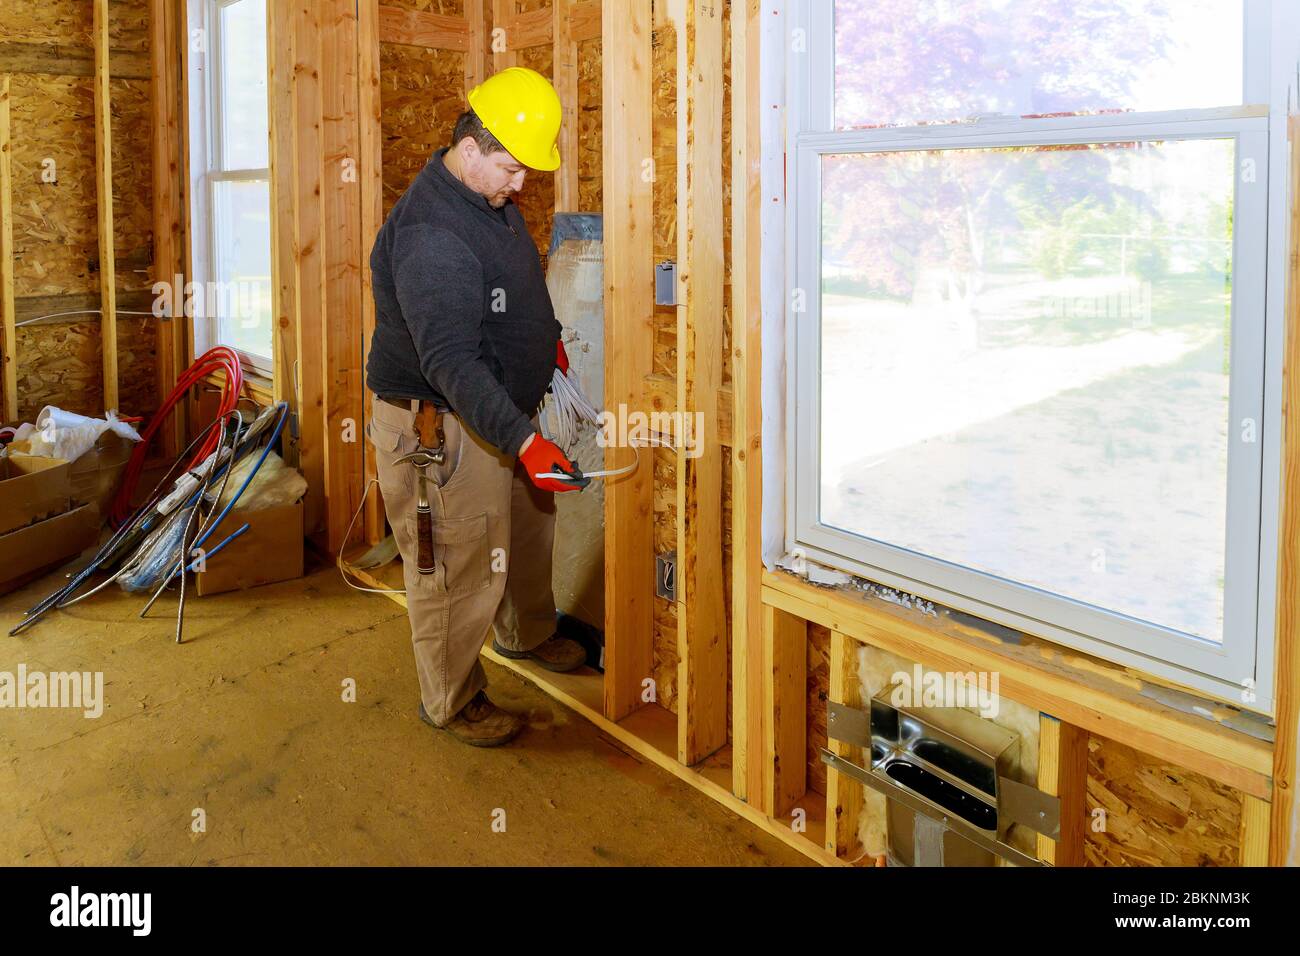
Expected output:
(463, 316)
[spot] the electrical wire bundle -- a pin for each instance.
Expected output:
(219, 359)
(158, 542)
(564, 408)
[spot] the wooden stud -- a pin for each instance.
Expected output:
(701, 614)
(785, 697)
(503, 50)
(844, 798)
(1063, 773)
(167, 215)
(629, 347)
(104, 201)
(283, 265)
(565, 80)
(1254, 831)
(745, 416)
(1184, 739)
(9, 334)
(309, 259)
(341, 321)
(371, 172)
(420, 28)
(480, 38)
(1286, 661)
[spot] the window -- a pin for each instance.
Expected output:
(1034, 316)
(231, 187)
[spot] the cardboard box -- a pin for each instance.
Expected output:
(32, 488)
(29, 551)
(96, 475)
(270, 550)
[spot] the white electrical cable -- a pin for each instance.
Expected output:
(59, 315)
(569, 407)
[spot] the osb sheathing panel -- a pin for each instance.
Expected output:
(422, 92)
(59, 364)
(1156, 814)
(70, 23)
(665, 656)
(132, 184)
(537, 200)
(128, 24)
(452, 8)
(63, 22)
(590, 117)
(819, 687)
(55, 224)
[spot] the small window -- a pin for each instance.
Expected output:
(231, 211)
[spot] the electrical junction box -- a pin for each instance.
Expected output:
(666, 283)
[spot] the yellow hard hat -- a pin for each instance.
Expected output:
(522, 110)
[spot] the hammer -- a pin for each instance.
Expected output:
(421, 459)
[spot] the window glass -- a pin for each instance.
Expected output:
(909, 62)
(1025, 368)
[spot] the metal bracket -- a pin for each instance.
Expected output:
(918, 805)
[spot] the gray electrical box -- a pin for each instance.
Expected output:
(666, 575)
(666, 283)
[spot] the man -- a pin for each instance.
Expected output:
(464, 348)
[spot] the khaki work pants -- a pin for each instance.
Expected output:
(493, 532)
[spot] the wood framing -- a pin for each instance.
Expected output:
(284, 289)
(1187, 740)
(341, 322)
(785, 696)
(565, 81)
(371, 172)
(745, 414)
(476, 56)
(421, 28)
(701, 613)
(8, 329)
(844, 796)
(629, 345)
(1287, 647)
(104, 200)
(167, 239)
(503, 28)
(1254, 831)
(309, 260)
(1063, 773)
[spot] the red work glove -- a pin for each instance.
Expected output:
(540, 456)
(561, 357)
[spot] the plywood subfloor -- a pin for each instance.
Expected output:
(246, 722)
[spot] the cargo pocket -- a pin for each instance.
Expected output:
(395, 481)
(460, 547)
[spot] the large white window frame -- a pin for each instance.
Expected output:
(1241, 668)
(208, 168)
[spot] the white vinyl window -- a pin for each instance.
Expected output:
(1034, 315)
(231, 202)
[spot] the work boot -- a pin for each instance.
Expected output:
(480, 723)
(555, 653)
